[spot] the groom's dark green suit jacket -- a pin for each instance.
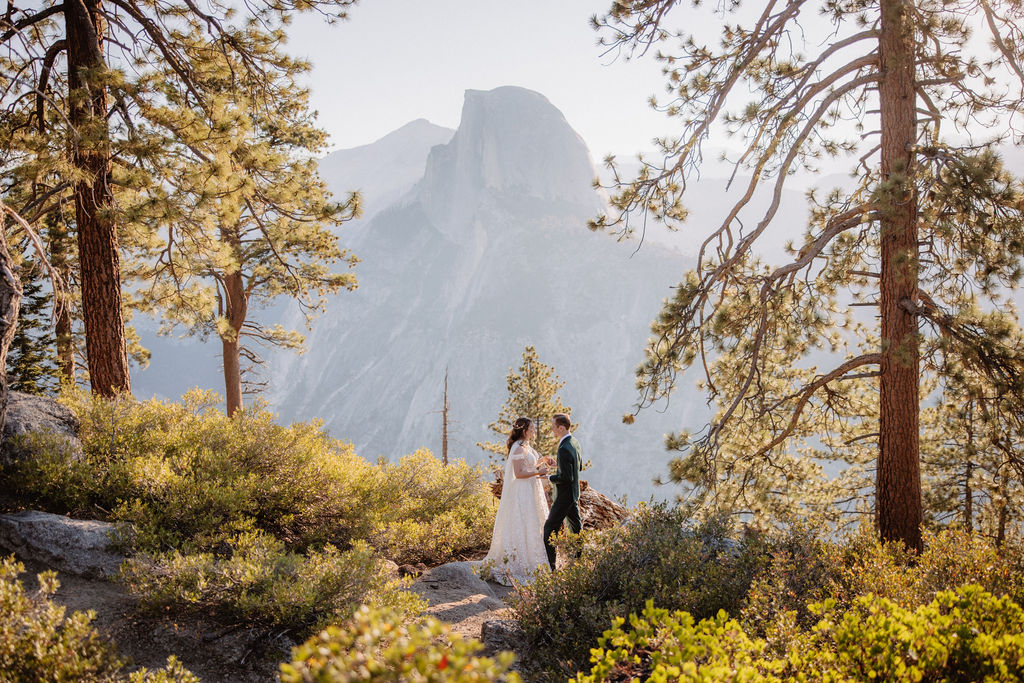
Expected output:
(567, 478)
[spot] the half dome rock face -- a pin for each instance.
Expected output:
(512, 144)
(485, 251)
(488, 253)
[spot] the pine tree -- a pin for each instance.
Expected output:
(917, 231)
(533, 393)
(971, 475)
(75, 120)
(246, 218)
(31, 362)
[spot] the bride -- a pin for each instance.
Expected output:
(517, 546)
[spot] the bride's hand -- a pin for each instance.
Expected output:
(542, 471)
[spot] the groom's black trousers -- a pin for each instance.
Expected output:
(563, 509)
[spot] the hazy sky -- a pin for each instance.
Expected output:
(399, 60)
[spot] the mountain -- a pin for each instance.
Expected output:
(487, 253)
(385, 169)
(381, 171)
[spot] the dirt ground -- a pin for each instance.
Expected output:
(465, 613)
(229, 655)
(213, 654)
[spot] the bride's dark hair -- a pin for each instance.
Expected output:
(519, 429)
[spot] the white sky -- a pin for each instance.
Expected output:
(398, 60)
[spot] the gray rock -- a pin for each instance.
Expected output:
(458, 576)
(501, 634)
(36, 414)
(390, 568)
(78, 546)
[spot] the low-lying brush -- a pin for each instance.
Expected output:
(657, 556)
(768, 582)
(39, 642)
(243, 518)
(379, 645)
(259, 583)
(962, 635)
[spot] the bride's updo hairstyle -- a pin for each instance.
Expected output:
(519, 429)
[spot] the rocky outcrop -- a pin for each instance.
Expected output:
(27, 414)
(501, 634)
(455, 577)
(598, 511)
(82, 547)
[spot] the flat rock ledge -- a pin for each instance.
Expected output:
(83, 547)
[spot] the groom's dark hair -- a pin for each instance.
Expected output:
(562, 420)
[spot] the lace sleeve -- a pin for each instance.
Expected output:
(520, 468)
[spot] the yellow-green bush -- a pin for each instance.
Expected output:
(433, 513)
(806, 568)
(258, 582)
(245, 518)
(962, 635)
(670, 646)
(659, 555)
(378, 645)
(38, 642)
(183, 473)
(186, 476)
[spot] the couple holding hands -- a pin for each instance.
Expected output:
(521, 543)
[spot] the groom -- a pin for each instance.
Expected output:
(566, 480)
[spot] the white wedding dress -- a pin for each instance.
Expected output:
(517, 546)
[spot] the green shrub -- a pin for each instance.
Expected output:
(433, 513)
(242, 518)
(187, 477)
(806, 568)
(38, 642)
(377, 645)
(962, 635)
(657, 556)
(183, 473)
(660, 645)
(951, 558)
(257, 581)
(803, 568)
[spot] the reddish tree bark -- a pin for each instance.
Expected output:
(99, 260)
(234, 307)
(10, 305)
(898, 492)
(58, 238)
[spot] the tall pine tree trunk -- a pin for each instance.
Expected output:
(235, 310)
(98, 257)
(10, 303)
(57, 235)
(969, 470)
(898, 489)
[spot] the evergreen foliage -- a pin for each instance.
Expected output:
(31, 362)
(243, 216)
(83, 124)
(533, 393)
(932, 233)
